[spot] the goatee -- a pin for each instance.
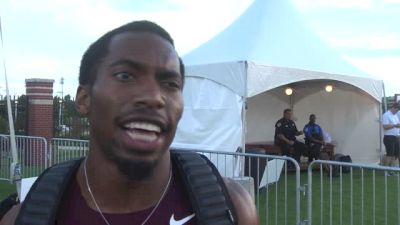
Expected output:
(135, 170)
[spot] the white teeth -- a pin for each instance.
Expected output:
(143, 126)
(142, 137)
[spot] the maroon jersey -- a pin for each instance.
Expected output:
(174, 209)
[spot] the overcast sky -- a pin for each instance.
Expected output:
(46, 38)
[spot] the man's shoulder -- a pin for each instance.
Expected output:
(387, 113)
(244, 205)
(10, 217)
(388, 116)
(280, 122)
(318, 126)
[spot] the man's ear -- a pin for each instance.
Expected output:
(82, 100)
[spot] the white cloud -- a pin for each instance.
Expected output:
(89, 17)
(329, 4)
(383, 68)
(195, 21)
(190, 23)
(377, 41)
(39, 65)
(392, 1)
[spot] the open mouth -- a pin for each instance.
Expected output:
(142, 131)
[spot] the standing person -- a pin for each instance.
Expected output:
(130, 88)
(398, 112)
(285, 136)
(391, 131)
(314, 138)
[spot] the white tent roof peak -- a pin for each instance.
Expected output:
(272, 32)
(247, 65)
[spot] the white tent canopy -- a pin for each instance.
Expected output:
(234, 86)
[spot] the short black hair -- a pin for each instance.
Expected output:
(287, 110)
(99, 49)
(312, 115)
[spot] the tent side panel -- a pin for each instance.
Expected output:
(211, 119)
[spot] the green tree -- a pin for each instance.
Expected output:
(22, 115)
(73, 125)
(3, 125)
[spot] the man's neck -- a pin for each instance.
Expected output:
(115, 193)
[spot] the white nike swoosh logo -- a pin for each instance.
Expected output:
(172, 221)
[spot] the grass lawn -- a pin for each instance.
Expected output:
(364, 203)
(368, 200)
(6, 188)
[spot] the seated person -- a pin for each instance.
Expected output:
(314, 138)
(285, 136)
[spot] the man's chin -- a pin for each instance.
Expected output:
(135, 170)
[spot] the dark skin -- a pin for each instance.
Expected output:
(134, 107)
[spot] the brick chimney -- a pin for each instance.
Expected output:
(40, 114)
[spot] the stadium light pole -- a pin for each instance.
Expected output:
(60, 120)
(15, 111)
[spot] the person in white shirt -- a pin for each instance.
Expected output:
(391, 127)
(398, 113)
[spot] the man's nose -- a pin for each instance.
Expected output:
(150, 95)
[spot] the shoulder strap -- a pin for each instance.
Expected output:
(206, 188)
(42, 202)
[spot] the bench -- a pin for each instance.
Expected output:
(269, 148)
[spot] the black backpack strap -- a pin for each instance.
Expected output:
(206, 189)
(42, 202)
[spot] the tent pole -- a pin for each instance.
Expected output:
(380, 134)
(380, 122)
(244, 109)
(384, 97)
(291, 101)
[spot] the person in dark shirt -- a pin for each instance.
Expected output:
(285, 136)
(130, 89)
(314, 138)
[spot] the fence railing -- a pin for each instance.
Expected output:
(32, 152)
(275, 183)
(352, 193)
(331, 193)
(65, 149)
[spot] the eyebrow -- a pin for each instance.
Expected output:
(142, 66)
(169, 73)
(130, 63)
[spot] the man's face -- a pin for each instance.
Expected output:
(135, 102)
(394, 110)
(287, 115)
(312, 119)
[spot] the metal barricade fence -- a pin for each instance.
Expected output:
(62, 149)
(352, 193)
(31, 152)
(276, 179)
(349, 193)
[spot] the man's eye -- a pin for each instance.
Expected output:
(124, 76)
(172, 84)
